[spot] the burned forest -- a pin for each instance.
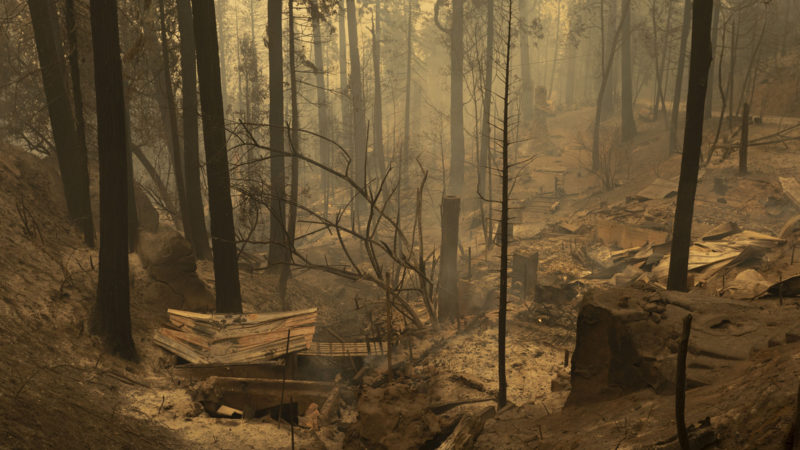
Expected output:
(400, 224)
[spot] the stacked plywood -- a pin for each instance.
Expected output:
(236, 338)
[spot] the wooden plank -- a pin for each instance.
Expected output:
(344, 349)
(236, 338)
(240, 318)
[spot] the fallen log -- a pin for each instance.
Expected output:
(467, 430)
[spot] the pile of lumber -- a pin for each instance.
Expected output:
(236, 338)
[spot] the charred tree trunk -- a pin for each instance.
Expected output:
(133, 217)
(112, 318)
(323, 108)
(693, 138)
(484, 191)
(77, 103)
(172, 117)
(448, 270)
(359, 112)
(676, 99)
(501, 322)
(404, 156)
(628, 122)
(223, 72)
(295, 133)
(72, 161)
(526, 86)
(223, 238)
(278, 239)
(456, 182)
(347, 115)
(195, 216)
(556, 45)
(711, 75)
(377, 121)
(601, 95)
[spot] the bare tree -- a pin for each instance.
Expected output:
(72, 161)
(676, 105)
(628, 123)
(278, 239)
(692, 140)
(604, 81)
(112, 318)
(172, 119)
(377, 121)
(323, 108)
(195, 217)
(456, 33)
(503, 301)
(226, 266)
(359, 109)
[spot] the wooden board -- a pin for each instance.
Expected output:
(236, 338)
(338, 349)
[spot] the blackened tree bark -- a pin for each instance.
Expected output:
(526, 85)
(359, 109)
(503, 301)
(407, 114)
(172, 116)
(278, 242)
(699, 63)
(226, 266)
(133, 216)
(377, 120)
(72, 160)
(195, 217)
(676, 99)
(347, 116)
(711, 75)
(223, 70)
(323, 108)
(456, 182)
(601, 95)
(295, 131)
(112, 318)
(488, 78)
(628, 123)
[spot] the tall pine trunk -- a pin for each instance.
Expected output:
(195, 215)
(377, 121)
(501, 321)
(72, 161)
(347, 116)
(295, 131)
(223, 238)
(712, 79)
(628, 123)
(323, 108)
(359, 110)
(456, 182)
(278, 242)
(676, 99)
(526, 85)
(692, 140)
(112, 318)
(223, 66)
(404, 156)
(172, 118)
(486, 119)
